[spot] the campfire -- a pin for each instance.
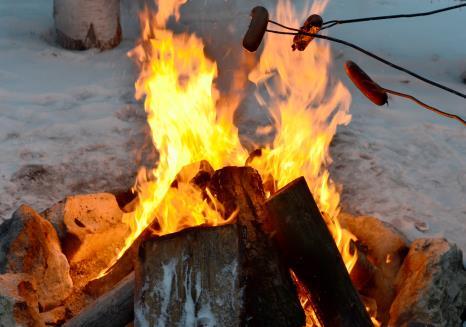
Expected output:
(220, 231)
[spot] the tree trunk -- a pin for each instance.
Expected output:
(84, 24)
(307, 245)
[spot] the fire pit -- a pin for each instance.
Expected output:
(224, 232)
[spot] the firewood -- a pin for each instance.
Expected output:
(113, 309)
(270, 295)
(305, 242)
(190, 278)
(116, 273)
(82, 24)
(224, 276)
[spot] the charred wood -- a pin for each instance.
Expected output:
(270, 295)
(229, 275)
(113, 309)
(307, 245)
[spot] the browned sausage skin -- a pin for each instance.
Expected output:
(365, 84)
(255, 33)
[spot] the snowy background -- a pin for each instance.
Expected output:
(69, 122)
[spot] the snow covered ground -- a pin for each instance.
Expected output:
(69, 122)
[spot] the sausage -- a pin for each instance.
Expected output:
(365, 84)
(313, 24)
(255, 33)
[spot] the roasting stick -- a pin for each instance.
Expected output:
(332, 23)
(370, 54)
(260, 20)
(314, 24)
(378, 94)
(426, 106)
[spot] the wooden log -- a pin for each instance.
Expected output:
(123, 267)
(190, 278)
(306, 244)
(113, 309)
(222, 276)
(270, 295)
(84, 24)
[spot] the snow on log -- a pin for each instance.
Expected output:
(222, 276)
(84, 24)
(189, 279)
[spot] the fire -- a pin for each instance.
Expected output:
(306, 109)
(181, 101)
(177, 80)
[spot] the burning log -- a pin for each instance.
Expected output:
(270, 296)
(190, 278)
(113, 309)
(230, 275)
(307, 245)
(82, 25)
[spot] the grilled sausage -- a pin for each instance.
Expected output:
(259, 21)
(313, 24)
(365, 84)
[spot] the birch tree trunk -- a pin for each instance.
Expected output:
(84, 24)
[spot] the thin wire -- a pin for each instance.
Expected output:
(370, 54)
(283, 26)
(426, 106)
(332, 23)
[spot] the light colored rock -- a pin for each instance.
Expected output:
(29, 244)
(385, 248)
(431, 286)
(18, 301)
(55, 215)
(55, 316)
(94, 234)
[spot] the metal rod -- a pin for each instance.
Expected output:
(370, 54)
(332, 23)
(426, 106)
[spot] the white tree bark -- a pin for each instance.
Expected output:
(84, 24)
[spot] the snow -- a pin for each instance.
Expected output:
(165, 289)
(69, 122)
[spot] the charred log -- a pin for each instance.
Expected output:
(307, 245)
(229, 274)
(269, 293)
(113, 309)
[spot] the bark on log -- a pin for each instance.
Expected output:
(269, 293)
(84, 24)
(190, 278)
(223, 276)
(113, 309)
(306, 243)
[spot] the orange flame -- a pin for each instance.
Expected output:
(177, 80)
(306, 109)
